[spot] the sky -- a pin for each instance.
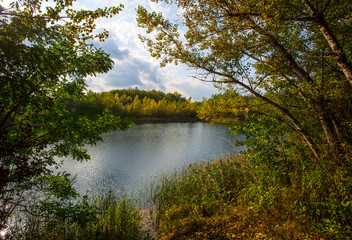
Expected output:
(134, 67)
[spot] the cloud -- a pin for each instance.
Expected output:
(111, 47)
(132, 71)
(129, 71)
(134, 67)
(192, 88)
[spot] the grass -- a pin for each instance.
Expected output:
(91, 217)
(230, 197)
(226, 199)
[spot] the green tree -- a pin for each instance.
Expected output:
(226, 107)
(107, 99)
(294, 57)
(44, 61)
(136, 106)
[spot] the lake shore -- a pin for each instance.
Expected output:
(141, 120)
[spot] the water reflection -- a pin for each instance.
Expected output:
(125, 160)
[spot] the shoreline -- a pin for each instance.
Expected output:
(165, 120)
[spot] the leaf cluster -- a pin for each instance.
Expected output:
(43, 63)
(293, 57)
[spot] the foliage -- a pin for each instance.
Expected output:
(196, 192)
(89, 217)
(208, 201)
(139, 104)
(226, 107)
(119, 222)
(44, 60)
(293, 56)
(286, 67)
(153, 94)
(237, 198)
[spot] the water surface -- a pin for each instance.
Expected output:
(127, 160)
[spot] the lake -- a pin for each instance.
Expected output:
(128, 160)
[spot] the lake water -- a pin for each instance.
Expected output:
(127, 160)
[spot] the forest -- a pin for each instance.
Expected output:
(284, 73)
(141, 105)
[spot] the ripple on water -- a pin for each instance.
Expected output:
(126, 160)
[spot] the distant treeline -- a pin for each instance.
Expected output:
(225, 107)
(144, 105)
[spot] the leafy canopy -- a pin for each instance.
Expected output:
(294, 57)
(285, 66)
(44, 59)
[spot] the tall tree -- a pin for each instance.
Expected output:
(293, 56)
(44, 60)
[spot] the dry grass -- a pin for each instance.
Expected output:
(215, 200)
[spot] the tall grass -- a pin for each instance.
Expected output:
(104, 216)
(247, 196)
(186, 198)
(230, 198)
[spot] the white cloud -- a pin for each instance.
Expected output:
(191, 88)
(134, 67)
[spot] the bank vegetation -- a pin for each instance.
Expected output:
(283, 67)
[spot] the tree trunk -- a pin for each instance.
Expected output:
(340, 55)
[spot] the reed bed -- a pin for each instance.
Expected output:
(224, 199)
(102, 217)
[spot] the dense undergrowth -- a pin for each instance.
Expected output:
(231, 197)
(275, 189)
(105, 216)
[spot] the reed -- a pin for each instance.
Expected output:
(104, 216)
(231, 198)
(197, 192)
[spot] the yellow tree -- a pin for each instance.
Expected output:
(136, 106)
(293, 56)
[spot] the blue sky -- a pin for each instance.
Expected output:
(134, 67)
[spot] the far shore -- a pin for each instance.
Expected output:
(141, 120)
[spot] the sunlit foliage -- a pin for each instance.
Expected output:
(293, 56)
(44, 60)
(140, 104)
(286, 67)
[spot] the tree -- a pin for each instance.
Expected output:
(136, 105)
(44, 60)
(225, 107)
(294, 57)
